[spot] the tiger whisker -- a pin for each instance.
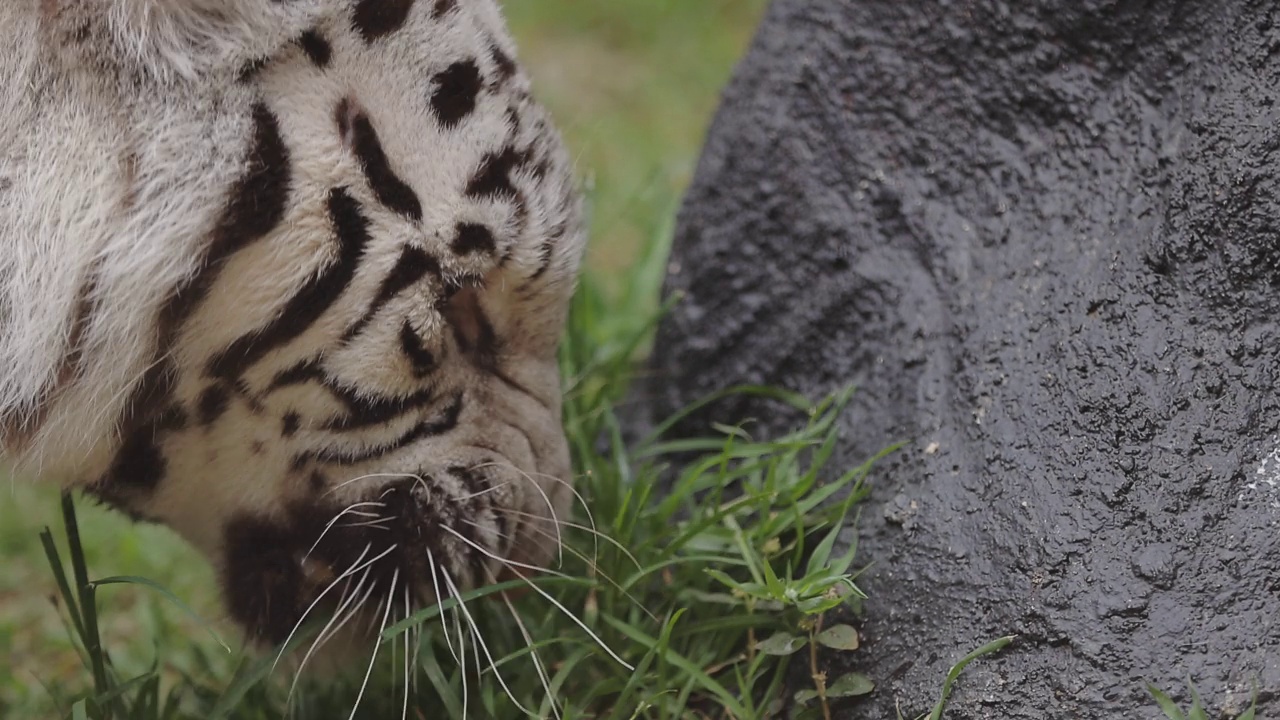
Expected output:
(372, 618)
(537, 660)
(332, 522)
(462, 665)
(457, 624)
(475, 636)
(395, 578)
(577, 526)
(370, 476)
(595, 569)
(316, 602)
(526, 566)
(511, 539)
(323, 636)
(422, 482)
(582, 501)
(570, 487)
(486, 491)
(329, 630)
(511, 565)
(377, 524)
(550, 506)
(435, 581)
(408, 609)
(352, 613)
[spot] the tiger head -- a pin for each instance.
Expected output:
(301, 308)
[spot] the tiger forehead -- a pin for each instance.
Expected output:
(446, 146)
(441, 229)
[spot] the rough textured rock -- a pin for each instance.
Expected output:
(1043, 237)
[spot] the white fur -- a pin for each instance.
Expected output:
(121, 141)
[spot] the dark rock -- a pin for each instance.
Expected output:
(1043, 238)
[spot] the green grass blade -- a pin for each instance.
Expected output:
(1197, 711)
(708, 683)
(444, 689)
(642, 667)
(64, 587)
(959, 667)
(87, 598)
(433, 611)
(167, 595)
(118, 692)
(793, 399)
(251, 673)
(822, 552)
(1167, 705)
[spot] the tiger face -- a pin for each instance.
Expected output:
(296, 295)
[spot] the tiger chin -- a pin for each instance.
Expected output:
(289, 278)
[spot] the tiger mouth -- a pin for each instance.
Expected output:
(403, 546)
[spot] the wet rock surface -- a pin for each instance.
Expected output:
(1043, 238)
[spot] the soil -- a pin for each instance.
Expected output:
(1043, 239)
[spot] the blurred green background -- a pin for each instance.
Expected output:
(632, 84)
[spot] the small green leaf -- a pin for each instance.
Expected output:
(715, 598)
(840, 565)
(818, 605)
(724, 579)
(1197, 706)
(954, 672)
(781, 643)
(851, 685)
(1253, 706)
(804, 696)
(839, 637)
(808, 713)
(776, 590)
(1170, 708)
(821, 553)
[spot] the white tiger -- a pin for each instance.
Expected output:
(288, 276)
